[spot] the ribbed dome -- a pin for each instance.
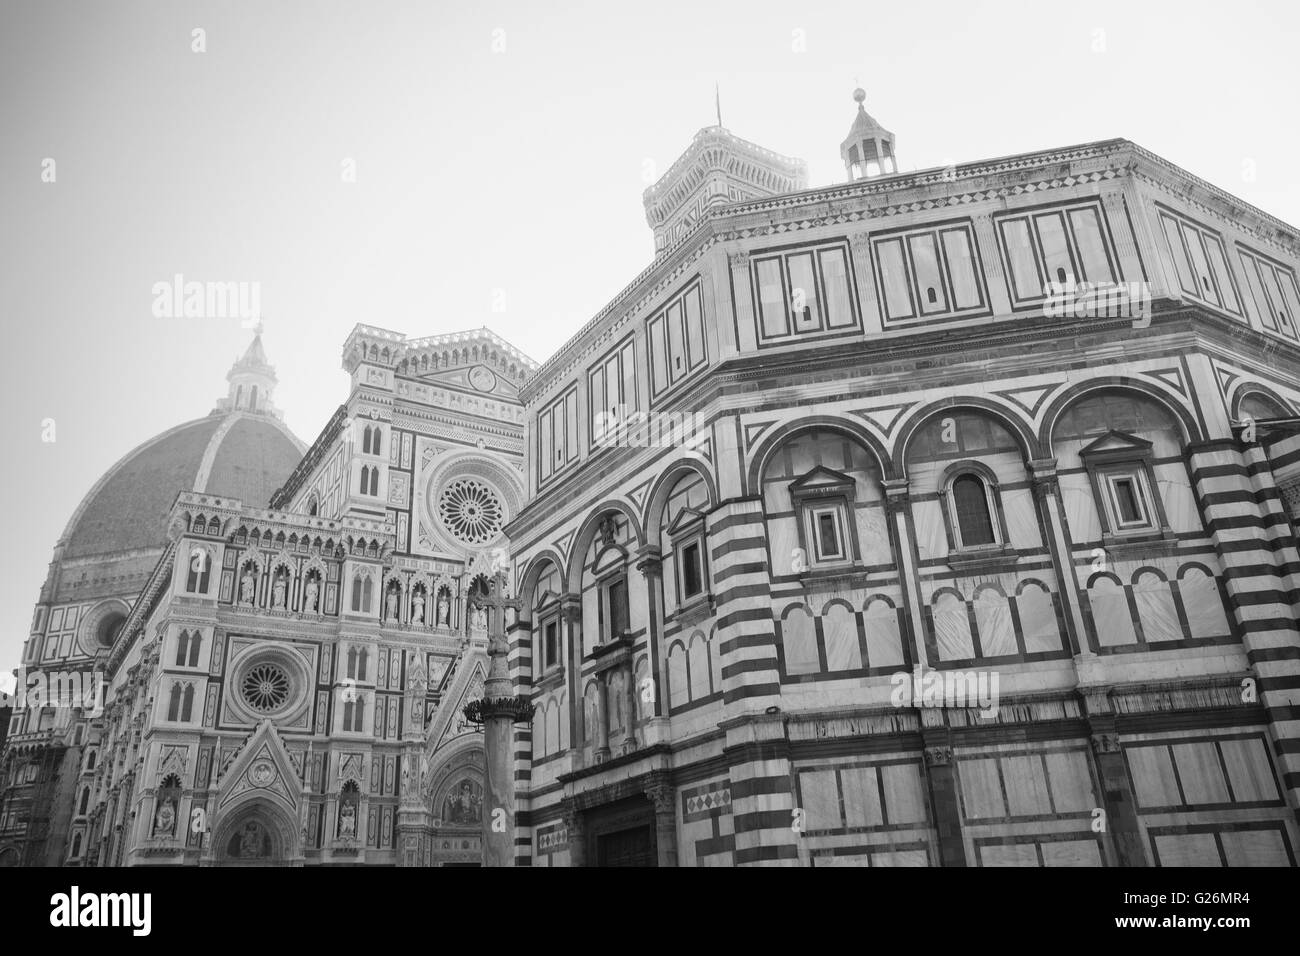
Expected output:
(235, 455)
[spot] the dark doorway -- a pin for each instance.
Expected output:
(633, 847)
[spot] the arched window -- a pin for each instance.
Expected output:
(352, 663)
(348, 707)
(378, 441)
(358, 714)
(252, 399)
(367, 592)
(182, 647)
(1260, 408)
(76, 845)
(361, 665)
(196, 641)
(356, 593)
(239, 396)
(972, 511)
(365, 479)
(374, 481)
(90, 760)
(365, 440)
(85, 802)
(174, 703)
(187, 708)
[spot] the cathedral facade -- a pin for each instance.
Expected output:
(934, 518)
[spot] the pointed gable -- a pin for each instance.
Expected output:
(822, 481)
(261, 768)
(1116, 446)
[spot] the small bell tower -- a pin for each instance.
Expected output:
(868, 151)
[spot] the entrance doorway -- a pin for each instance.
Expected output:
(631, 847)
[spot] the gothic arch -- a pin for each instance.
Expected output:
(1179, 411)
(664, 484)
(528, 583)
(1246, 389)
(845, 426)
(1019, 429)
(587, 533)
(276, 845)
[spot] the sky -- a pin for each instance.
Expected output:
(430, 167)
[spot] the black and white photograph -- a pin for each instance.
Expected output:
(694, 434)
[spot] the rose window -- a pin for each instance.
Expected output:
(265, 687)
(471, 511)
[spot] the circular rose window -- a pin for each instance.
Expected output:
(265, 687)
(471, 511)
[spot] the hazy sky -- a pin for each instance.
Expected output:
(503, 147)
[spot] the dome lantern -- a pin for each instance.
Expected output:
(868, 150)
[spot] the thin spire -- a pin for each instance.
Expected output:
(717, 102)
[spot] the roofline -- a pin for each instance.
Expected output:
(401, 340)
(874, 186)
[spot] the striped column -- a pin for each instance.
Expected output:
(756, 748)
(742, 593)
(1252, 538)
(520, 636)
(768, 824)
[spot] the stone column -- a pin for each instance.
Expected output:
(873, 312)
(499, 800)
(940, 773)
(986, 239)
(650, 564)
(1120, 805)
(1047, 494)
(571, 615)
(661, 794)
(629, 696)
(898, 508)
(602, 717)
(577, 830)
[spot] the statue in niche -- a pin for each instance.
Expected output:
(479, 618)
(165, 820)
(444, 608)
(390, 604)
(280, 592)
(312, 601)
(348, 821)
(417, 608)
(246, 587)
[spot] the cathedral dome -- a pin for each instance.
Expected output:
(244, 455)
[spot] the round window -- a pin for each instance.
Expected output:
(265, 687)
(471, 511)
